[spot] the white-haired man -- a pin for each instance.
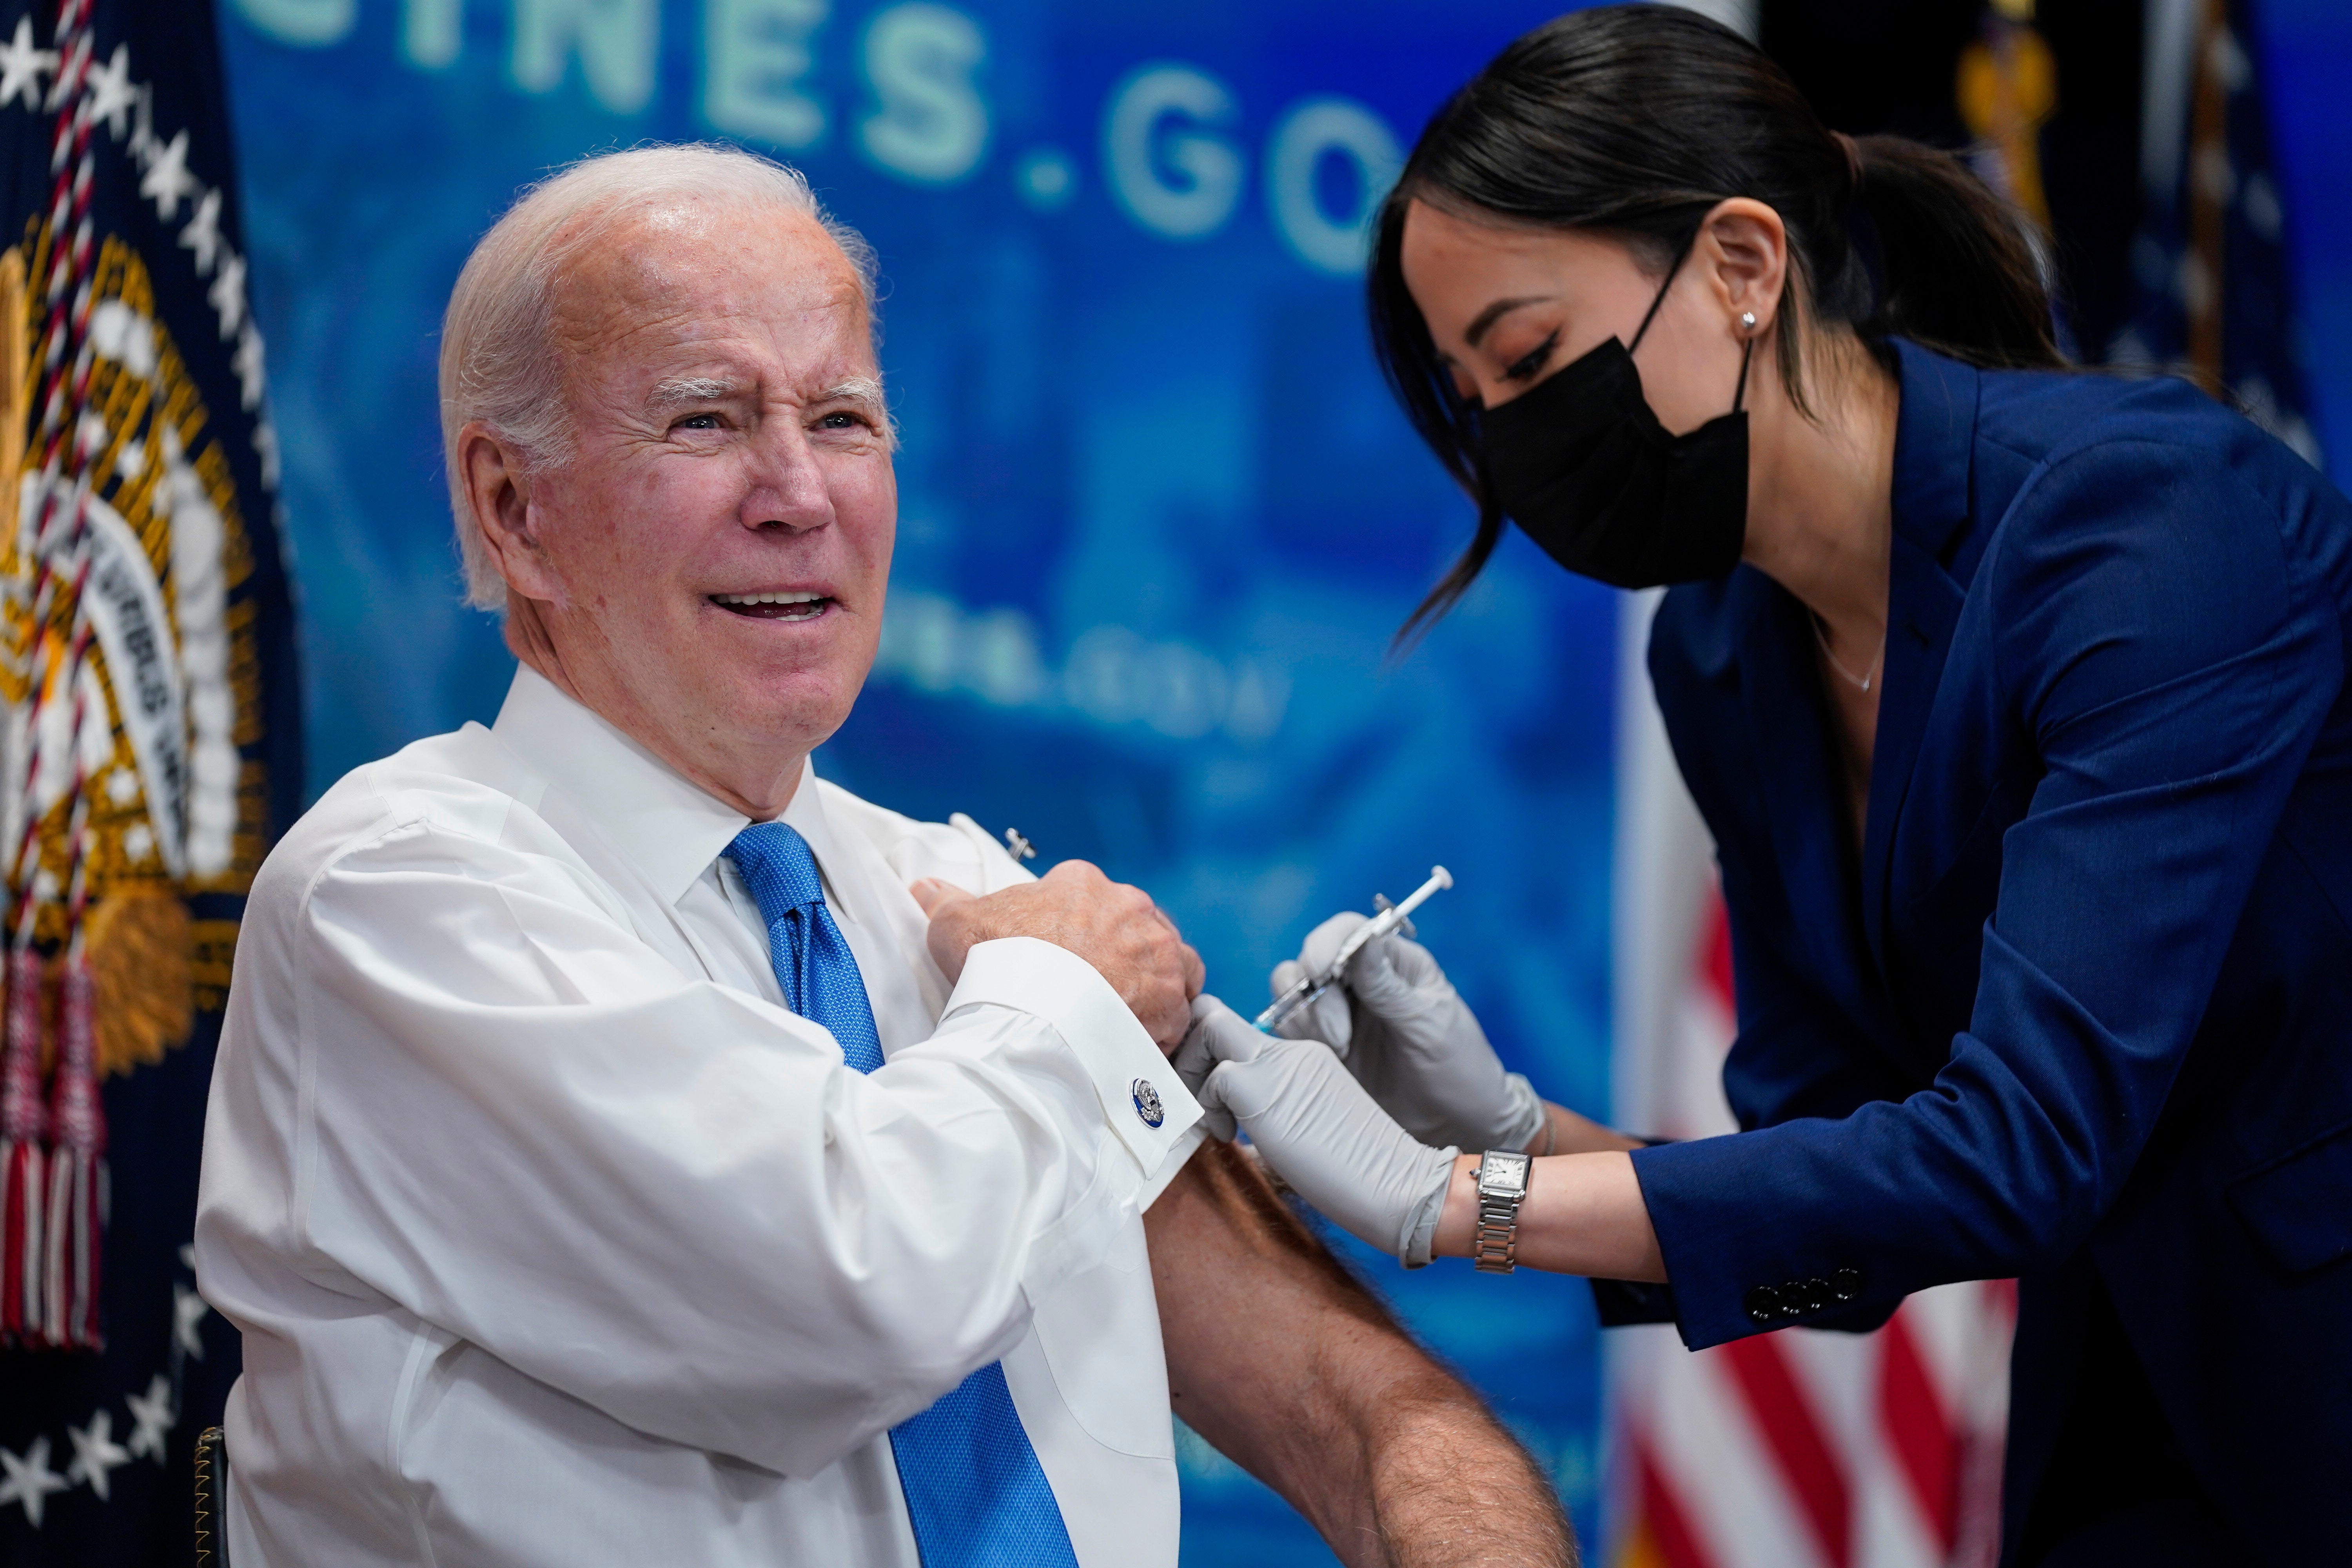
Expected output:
(625, 1148)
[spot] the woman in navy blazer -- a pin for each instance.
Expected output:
(2015, 701)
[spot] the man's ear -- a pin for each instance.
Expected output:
(497, 490)
(1742, 249)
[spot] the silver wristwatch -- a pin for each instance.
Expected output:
(1502, 1187)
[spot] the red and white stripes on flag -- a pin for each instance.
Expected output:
(1798, 1449)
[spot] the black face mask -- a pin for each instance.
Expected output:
(1582, 465)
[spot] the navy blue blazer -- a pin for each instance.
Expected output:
(2080, 1011)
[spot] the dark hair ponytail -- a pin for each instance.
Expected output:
(1636, 120)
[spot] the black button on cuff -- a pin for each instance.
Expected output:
(1771, 1305)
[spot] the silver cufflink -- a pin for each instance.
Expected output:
(1147, 1103)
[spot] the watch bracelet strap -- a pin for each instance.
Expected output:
(1495, 1244)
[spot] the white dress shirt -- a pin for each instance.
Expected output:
(555, 1239)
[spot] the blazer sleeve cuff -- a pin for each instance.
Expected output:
(1144, 1103)
(1739, 1268)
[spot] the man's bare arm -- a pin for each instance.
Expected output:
(1296, 1373)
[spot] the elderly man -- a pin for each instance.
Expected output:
(627, 1148)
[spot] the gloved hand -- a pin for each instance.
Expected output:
(1411, 1041)
(1194, 1061)
(1319, 1128)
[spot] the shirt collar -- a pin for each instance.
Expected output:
(844, 893)
(668, 829)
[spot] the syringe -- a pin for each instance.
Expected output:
(1379, 925)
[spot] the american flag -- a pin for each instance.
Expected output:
(1794, 1449)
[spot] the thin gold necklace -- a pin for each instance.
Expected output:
(1860, 683)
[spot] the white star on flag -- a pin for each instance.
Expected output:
(153, 1416)
(228, 292)
(202, 234)
(21, 66)
(95, 1453)
(30, 1480)
(142, 130)
(247, 364)
(112, 93)
(167, 179)
(188, 1310)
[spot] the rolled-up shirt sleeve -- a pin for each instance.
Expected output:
(670, 1199)
(1141, 1099)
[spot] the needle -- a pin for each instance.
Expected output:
(1379, 925)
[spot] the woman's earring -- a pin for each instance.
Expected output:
(1747, 321)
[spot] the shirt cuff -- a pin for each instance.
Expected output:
(1143, 1102)
(1183, 1151)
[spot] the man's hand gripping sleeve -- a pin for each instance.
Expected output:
(1132, 1080)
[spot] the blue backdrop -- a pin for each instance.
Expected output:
(1158, 516)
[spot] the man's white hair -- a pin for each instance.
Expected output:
(498, 365)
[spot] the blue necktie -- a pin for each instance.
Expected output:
(975, 1492)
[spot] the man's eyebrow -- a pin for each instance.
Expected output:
(1486, 318)
(684, 389)
(856, 389)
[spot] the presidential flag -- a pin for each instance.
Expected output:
(150, 750)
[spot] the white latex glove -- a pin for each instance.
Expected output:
(1194, 1061)
(1317, 1127)
(1411, 1041)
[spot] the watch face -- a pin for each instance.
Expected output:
(1505, 1175)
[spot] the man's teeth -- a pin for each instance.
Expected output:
(768, 598)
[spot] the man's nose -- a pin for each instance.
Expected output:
(788, 488)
